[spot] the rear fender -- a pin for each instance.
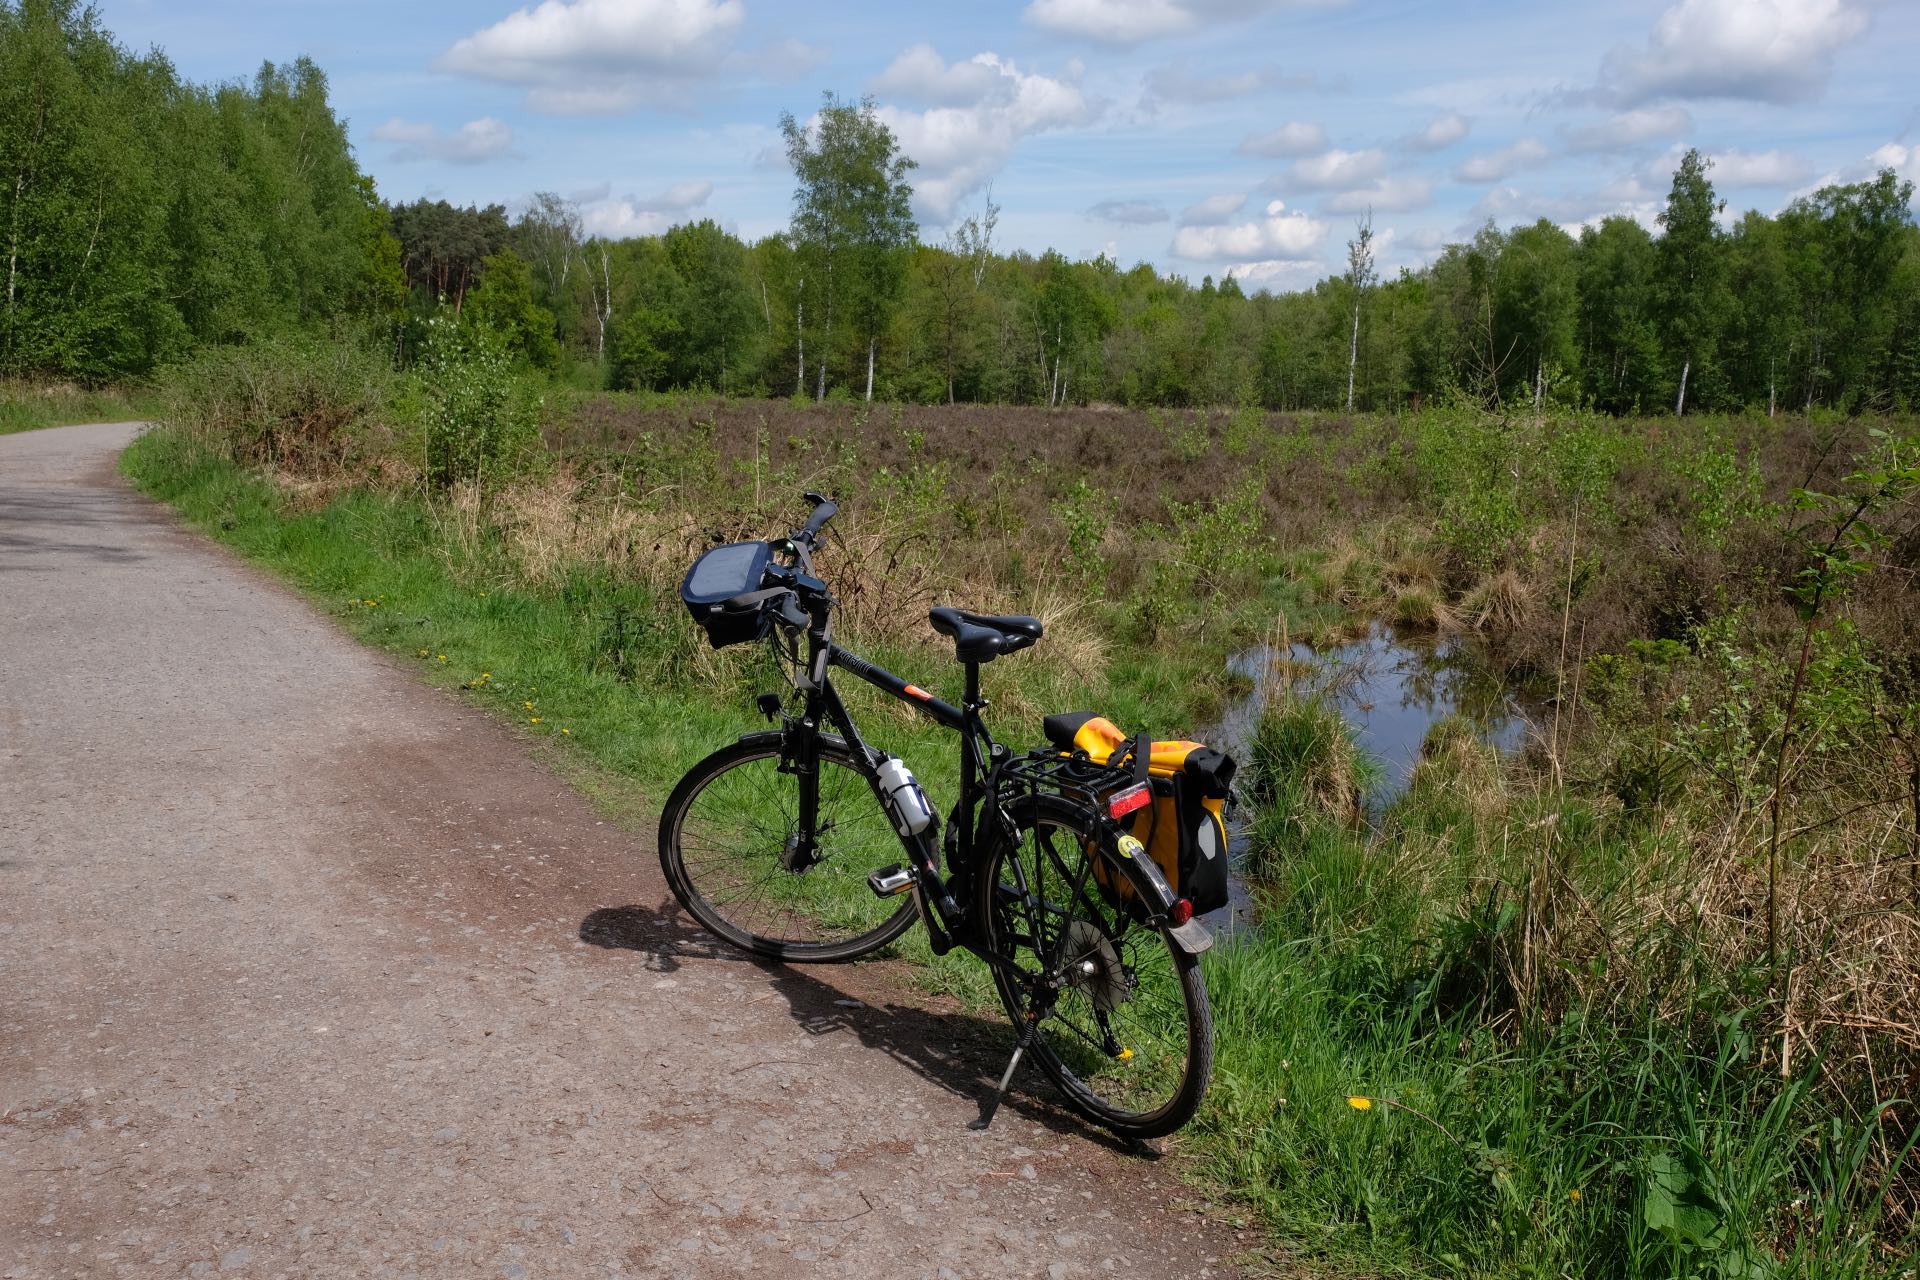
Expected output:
(1151, 884)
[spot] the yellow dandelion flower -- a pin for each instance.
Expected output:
(1126, 1055)
(533, 719)
(1574, 1195)
(1359, 1102)
(441, 657)
(566, 731)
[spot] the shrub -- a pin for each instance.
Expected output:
(479, 418)
(301, 403)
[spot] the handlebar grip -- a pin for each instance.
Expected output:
(824, 509)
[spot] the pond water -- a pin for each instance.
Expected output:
(1392, 687)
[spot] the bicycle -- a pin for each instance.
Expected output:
(785, 844)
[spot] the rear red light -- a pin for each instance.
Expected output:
(1137, 796)
(1180, 912)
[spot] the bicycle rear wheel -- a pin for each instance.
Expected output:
(1124, 1029)
(727, 846)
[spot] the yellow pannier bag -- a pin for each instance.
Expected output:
(1184, 829)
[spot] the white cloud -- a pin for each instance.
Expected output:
(1758, 50)
(1441, 132)
(644, 215)
(1281, 235)
(474, 142)
(1736, 168)
(1494, 166)
(679, 197)
(1733, 168)
(1337, 170)
(785, 60)
(582, 57)
(1128, 213)
(1626, 197)
(1269, 272)
(921, 75)
(958, 148)
(1129, 22)
(1629, 129)
(619, 220)
(1180, 82)
(1903, 160)
(1388, 195)
(1414, 250)
(1111, 21)
(1295, 138)
(1214, 211)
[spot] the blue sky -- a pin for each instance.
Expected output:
(1200, 135)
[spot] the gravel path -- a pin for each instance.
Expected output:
(308, 970)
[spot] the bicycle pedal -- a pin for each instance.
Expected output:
(890, 882)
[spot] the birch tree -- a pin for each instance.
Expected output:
(1360, 278)
(852, 223)
(1692, 273)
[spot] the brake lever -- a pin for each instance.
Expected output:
(792, 614)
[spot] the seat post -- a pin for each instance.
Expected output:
(973, 685)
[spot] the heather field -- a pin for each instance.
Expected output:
(1636, 998)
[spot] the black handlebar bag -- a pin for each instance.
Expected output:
(723, 593)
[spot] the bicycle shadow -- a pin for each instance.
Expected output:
(958, 1052)
(662, 934)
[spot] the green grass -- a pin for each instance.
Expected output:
(1386, 1093)
(24, 408)
(1650, 1137)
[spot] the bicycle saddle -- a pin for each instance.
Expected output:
(982, 637)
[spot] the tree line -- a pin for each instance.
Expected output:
(143, 216)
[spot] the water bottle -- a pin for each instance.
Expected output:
(905, 799)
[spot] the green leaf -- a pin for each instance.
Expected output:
(1680, 1207)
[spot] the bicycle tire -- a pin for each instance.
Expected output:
(1039, 905)
(737, 818)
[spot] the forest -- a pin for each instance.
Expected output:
(146, 217)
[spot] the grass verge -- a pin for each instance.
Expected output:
(29, 408)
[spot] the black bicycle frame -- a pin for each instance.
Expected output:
(978, 753)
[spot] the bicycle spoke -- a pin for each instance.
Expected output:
(1118, 1034)
(732, 857)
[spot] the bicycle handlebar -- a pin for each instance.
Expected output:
(824, 509)
(803, 540)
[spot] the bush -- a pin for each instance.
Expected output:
(479, 417)
(300, 402)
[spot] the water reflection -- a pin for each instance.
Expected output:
(1392, 688)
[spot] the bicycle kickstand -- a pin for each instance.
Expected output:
(991, 1104)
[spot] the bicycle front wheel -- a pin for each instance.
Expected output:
(729, 848)
(1124, 1027)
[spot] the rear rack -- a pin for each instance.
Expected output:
(1073, 776)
